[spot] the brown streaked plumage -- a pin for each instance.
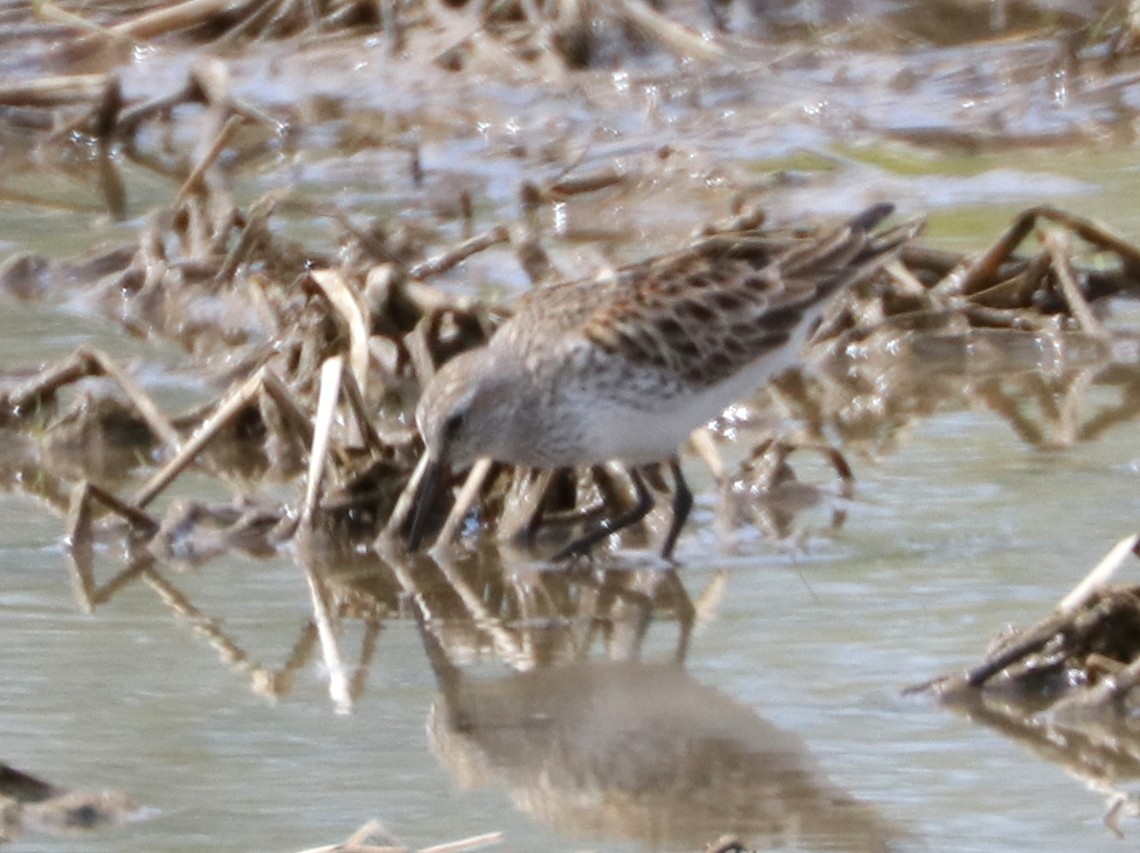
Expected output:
(626, 365)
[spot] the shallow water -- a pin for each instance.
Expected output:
(962, 530)
(802, 647)
(959, 533)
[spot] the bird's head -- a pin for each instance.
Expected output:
(464, 414)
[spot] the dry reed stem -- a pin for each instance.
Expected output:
(158, 423)
(457, 254)
(52, 91)
(1096, 580)
(195, 181)
(53, 14)
(1062, 620)
(472, 843)
(167, 19)
(467, 498)
(230, 407)
(1060, 250)
(347, 302)
(331, 372)
(523, 504)
(85, 492)
(361, 416)
(86, 362)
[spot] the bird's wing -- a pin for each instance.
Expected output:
(705, 312)
(708, 311)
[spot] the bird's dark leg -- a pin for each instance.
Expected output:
(682, 504)
(584, 543)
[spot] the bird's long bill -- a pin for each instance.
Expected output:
(426, 493)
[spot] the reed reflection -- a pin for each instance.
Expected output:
(595, 728)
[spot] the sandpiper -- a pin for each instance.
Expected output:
(624, 366)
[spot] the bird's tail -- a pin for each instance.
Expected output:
(871, 252)
(870, 217)
(848, 253)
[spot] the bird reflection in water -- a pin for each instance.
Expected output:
(621, 749)
(583, 734)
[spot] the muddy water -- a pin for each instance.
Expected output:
(784, 721)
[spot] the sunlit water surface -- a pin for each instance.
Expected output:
(956, 535)
(961, 531)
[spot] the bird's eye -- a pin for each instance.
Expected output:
(453, 424)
